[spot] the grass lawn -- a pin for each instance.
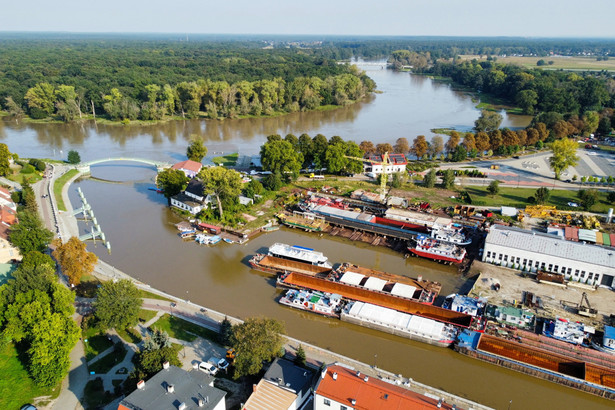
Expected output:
(564, 63)
(95, 395)
(146, 315)
(226, 160)
(59, 184)
(16, 386)
(97, 341)
(517, 197)
(107, 362)
(129, 335)
(183, 330)
(149, 295)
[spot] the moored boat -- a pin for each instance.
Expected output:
(318, 302)
(567, 331)
(207, 239)
(299, 254)
(401, 324)
(303, 220)
(433, 249)
(277, 266)
(450, 234)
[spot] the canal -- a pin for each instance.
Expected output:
(145, 243)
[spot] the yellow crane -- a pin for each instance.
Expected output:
(385, 171)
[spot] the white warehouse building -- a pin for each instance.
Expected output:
(533, 251)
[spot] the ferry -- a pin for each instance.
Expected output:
(433, 249)
(399, 323)
(318, 302)
(299, 254)
(207, 239)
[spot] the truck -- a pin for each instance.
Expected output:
(313, 176)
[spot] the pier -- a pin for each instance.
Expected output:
(88, 215)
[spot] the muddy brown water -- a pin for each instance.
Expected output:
(145, 244)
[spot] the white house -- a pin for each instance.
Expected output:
(397, 163)
(187, 203)
(190, 168)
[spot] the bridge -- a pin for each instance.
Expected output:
(84, 167)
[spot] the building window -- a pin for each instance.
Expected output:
(569, 271)
(590, 276)
(525, 262)
(556, 269)
(536, 264)
(505, 258)
(343, 408)
(327, 402)
(582, 273)
(488, 254)
(550, 267)
(500, 256)
(518, 259)
(563, 269)
(542, 266)
(576, 272)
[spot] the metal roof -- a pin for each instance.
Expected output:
(536, 242)
(609, 332)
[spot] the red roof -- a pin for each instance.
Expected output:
(370, 394)
(188, 165)
(5, 192)
(394, 159)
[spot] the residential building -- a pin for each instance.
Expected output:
(8, 217)
(195, 190)
(340, 388)
(284, 386)
(6, 200)
(373, 164)
(8, 252)
(244, 200)
(190, 168)
(174, 388)
(533, 251)
(187, 203)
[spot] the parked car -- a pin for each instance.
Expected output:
(221, 364)
(208, 368)
(573, 204)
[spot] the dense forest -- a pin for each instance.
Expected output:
(150, 79)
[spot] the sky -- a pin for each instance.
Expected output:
(526, 18)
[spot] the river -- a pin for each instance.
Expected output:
(145, 243)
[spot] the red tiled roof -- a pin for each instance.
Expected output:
(5, 192)
(395, 159)
(7, 215)
(370, 394)
(188, 165)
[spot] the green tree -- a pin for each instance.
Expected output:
(74, 259)
(488, 121)
(171, 182)
(13, 108)
(300, 357)
(453, 141)
(149, 362)
(196, 151)
(436, 147)
(30, 234)
(588, 198)
(319, 150)
(226, 332)
(527, 100)
(256, 340)
(253, 188)
(5, 155)
(460, 154)
(335, 157)
(564, 155)
(610, 197)
(448, 179)
(367, 147)
(272, 182)
(224, 183)
(281, 156)
(41, 100)
(306, 148)
(494, 187)
(429, 180)
(591, 120)
(157, 339)
(73, 157)
(117, 304)
(542, 195)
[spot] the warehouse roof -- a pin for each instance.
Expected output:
(537, 242)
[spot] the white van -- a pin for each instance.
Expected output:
(208, 368)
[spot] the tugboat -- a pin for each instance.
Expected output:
(450, 234)
(313, 301)
(430, 248)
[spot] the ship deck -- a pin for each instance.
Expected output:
(426, 285)
(284, 265)
(378, 298)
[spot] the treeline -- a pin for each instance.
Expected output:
(130, 79)
(450, 47)
(533, 90)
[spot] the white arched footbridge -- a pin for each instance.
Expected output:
(84, 167)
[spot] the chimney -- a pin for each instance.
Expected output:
(323, 374)
(170, 388)
(334, 376)
(253, 388)
(201, 403)
(365, 379)
(353, 402)
(181, 406)
(358, 373)
(165, 365)
(141, 384)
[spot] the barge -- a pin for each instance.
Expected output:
(400, 324)
(278, 266)
(318, 302)
(423, 291)
(303, 220)
(295, 280)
